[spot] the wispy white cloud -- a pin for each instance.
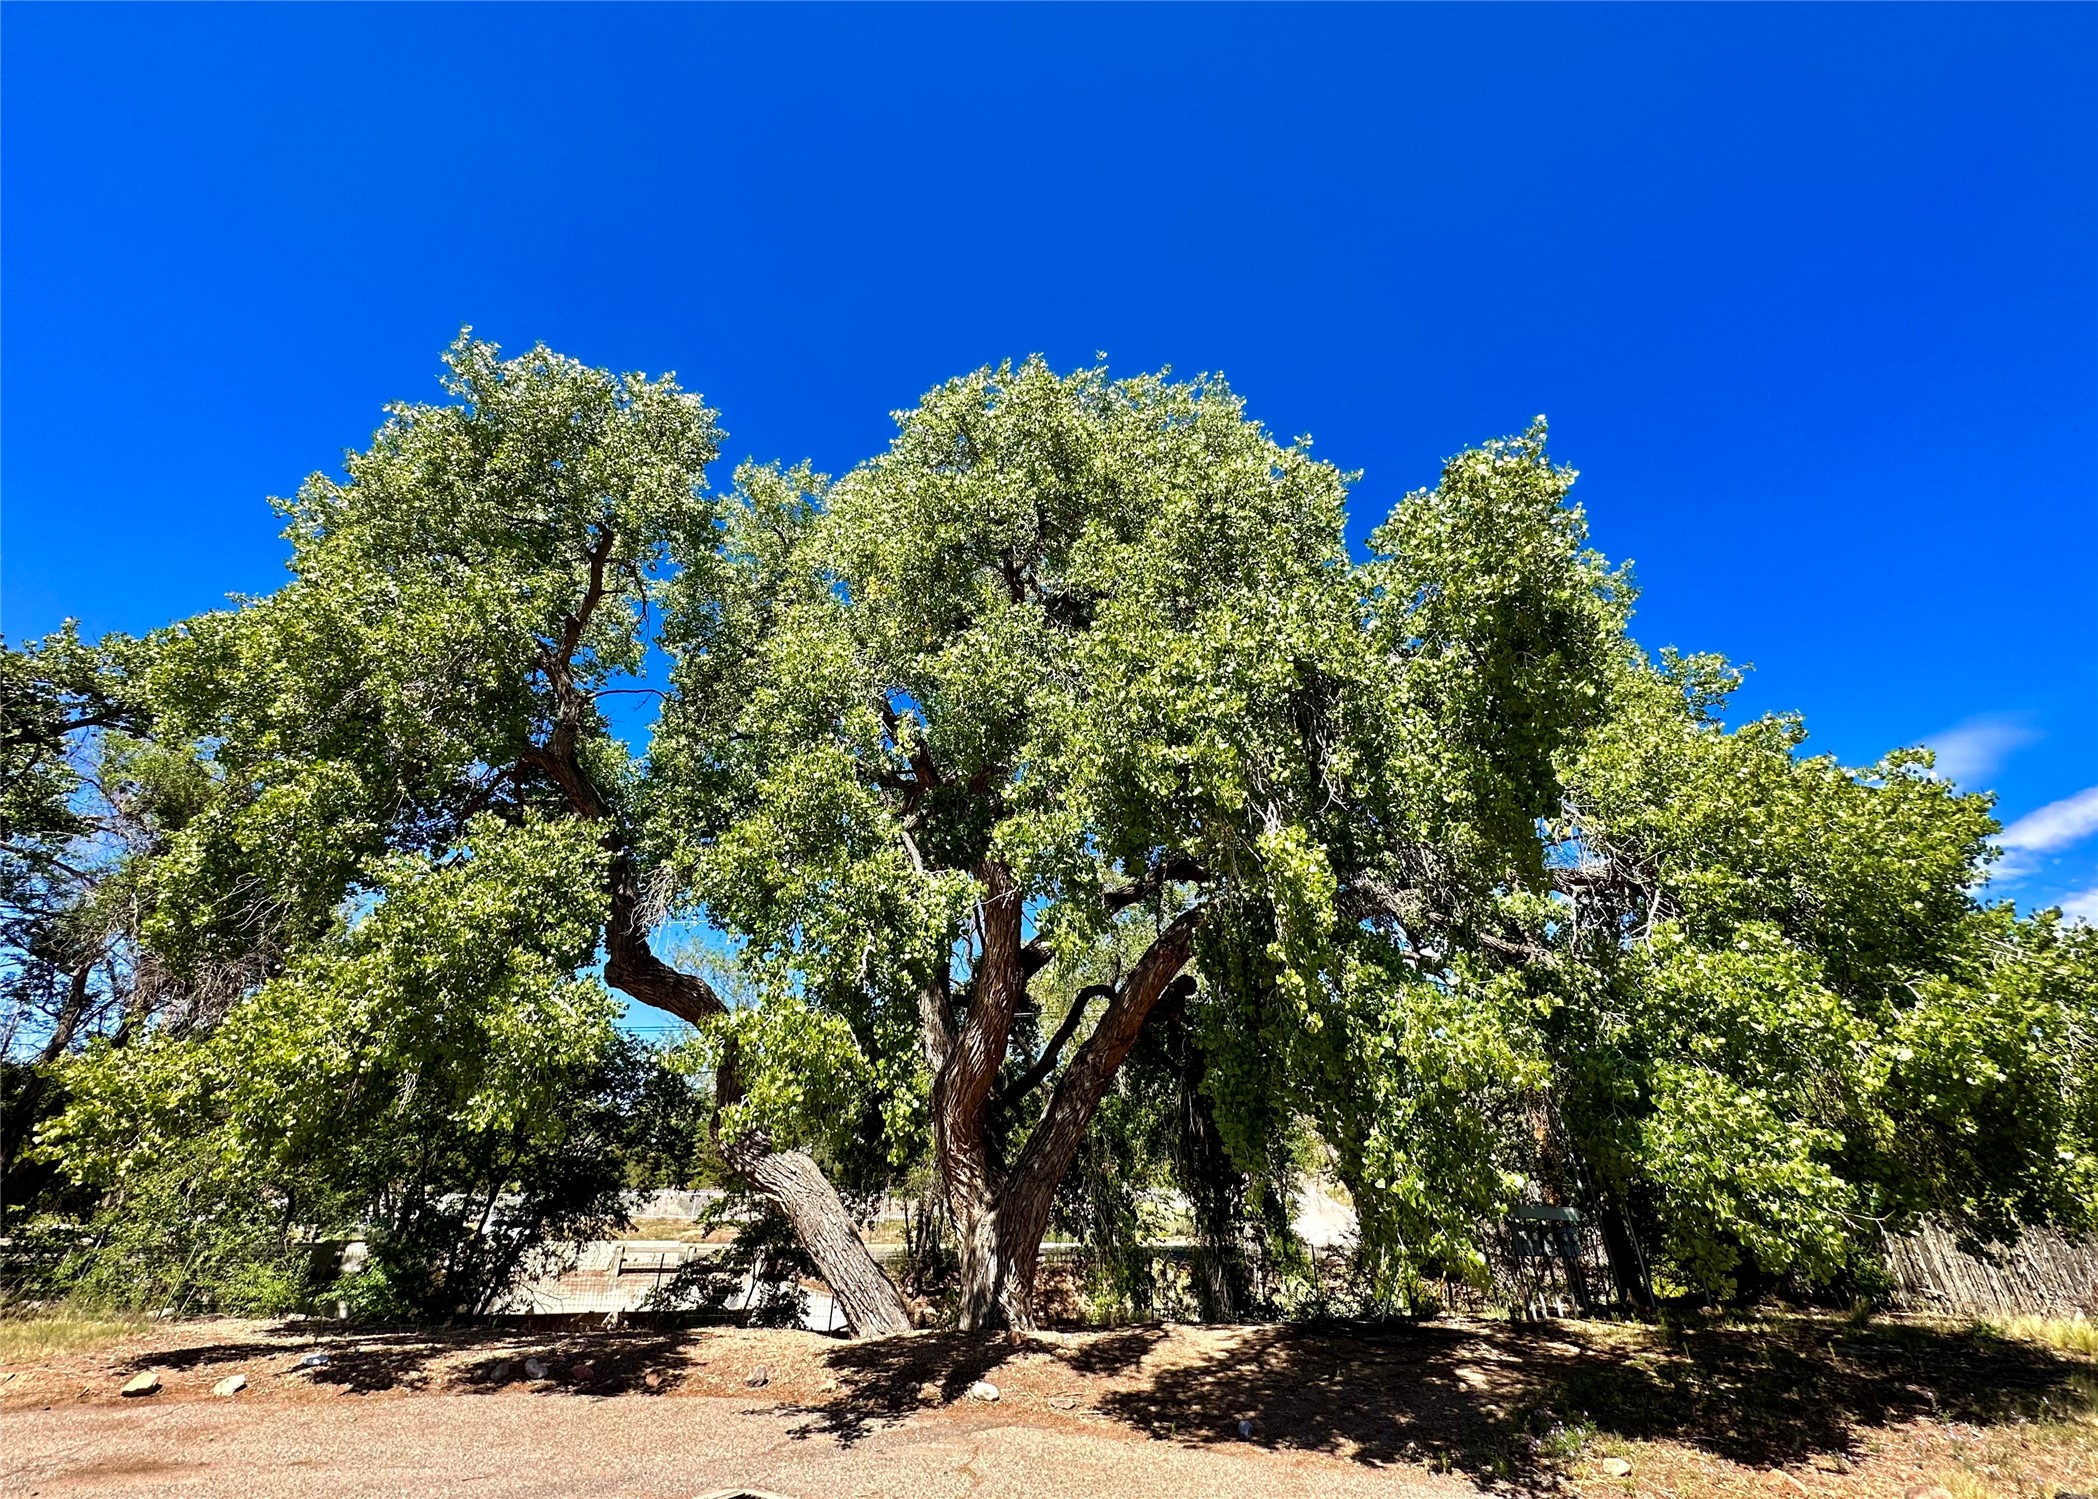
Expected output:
(2056, 825)
(2082, 906)
(1970, 751)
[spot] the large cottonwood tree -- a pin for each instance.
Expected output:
(1071, 700)
(1071, 710)
(436, 670)
(1074, 699)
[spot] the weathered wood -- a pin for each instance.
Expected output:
(2043, 1274)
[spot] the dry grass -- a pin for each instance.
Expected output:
(1962, 1484)
(2068, 1334)
(2085, 1388)
(678, 1230)
(32, 1337)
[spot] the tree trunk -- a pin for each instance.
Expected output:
(1000, 1223)
(996, 1283)
(965, 1066)
(1627, 1264)
(70, 1014)
(796, 1185)
(790, 1180)
(1213, 1184)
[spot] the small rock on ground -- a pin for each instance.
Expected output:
(983, 1389)
(535, 1368)
(142, 1384)
(758, 1378)
(1616, 1467)
(232, 1384)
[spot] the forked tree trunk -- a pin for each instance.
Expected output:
(1000, 1221)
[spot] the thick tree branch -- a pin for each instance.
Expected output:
(936, 1021)
(962, 1090)
(789, 1179)
(30, 732)
(1369, 897)
(1172, 869)
(1051, 1147)
(794, 1183)
(1053, 1048)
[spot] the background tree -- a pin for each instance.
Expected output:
(461, 603)
(1773, 1017)
(436, 1081)
(71, 966)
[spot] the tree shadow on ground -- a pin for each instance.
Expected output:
(1490, 1401)
(606, 1362)
(884, 1380)
(595, 1363)
(1501, 1403)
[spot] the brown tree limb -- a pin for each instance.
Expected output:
(1053, 1048)
(790, 1180)
(1006, 1292)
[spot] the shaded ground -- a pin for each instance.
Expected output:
(515, 1446)
(1786, 1405)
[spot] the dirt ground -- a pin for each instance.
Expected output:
(1784, 1406)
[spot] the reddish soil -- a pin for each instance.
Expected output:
(1789, 1406)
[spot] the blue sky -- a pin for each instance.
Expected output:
(1810, 294)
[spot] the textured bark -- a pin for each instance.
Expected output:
(796, 1185)
(1031, 1190)
(961, 1098)
(1000, 1220)
(788, 1179)
(997, 1287)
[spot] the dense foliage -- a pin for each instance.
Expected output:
(1776, 1016)
(1100, 842)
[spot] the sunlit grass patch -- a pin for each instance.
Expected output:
(29, 1336)
(2069, 1334)
(1962, 1484)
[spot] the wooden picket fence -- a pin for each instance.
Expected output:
(2043, 1275)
